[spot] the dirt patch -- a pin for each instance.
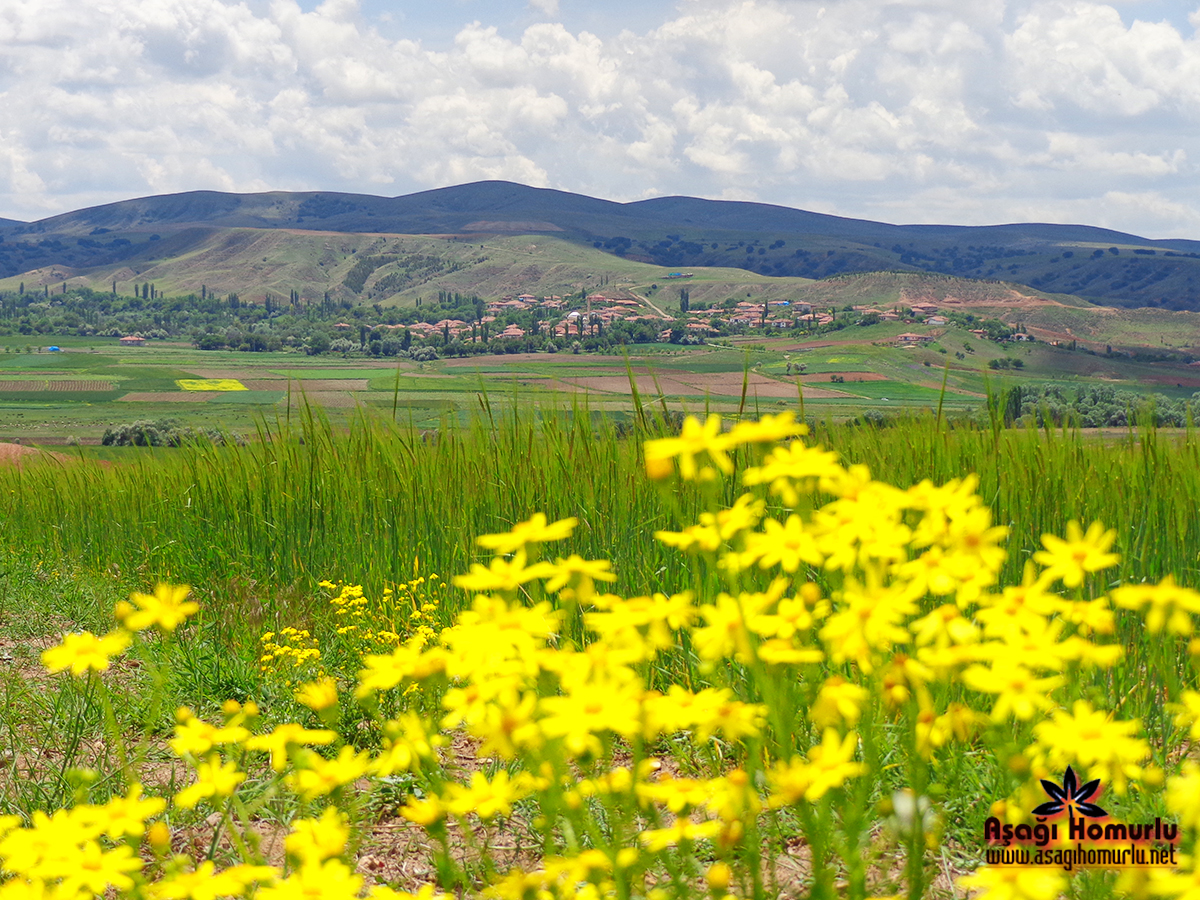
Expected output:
(266, 384)
(19, 455)
(334, 384)
(24, 386)
(169, 396)
(81, 385)
(236, 374)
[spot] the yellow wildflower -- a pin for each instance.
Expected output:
(214, 778)
(534, 531)
(1171, 606)
(1011, 883)
(287, 737)
(503, 575)
(828, 766)
(318, 695)
(786, 544)
(329, 880)
(694, 439)
(316, 840)
(195, 737)
(1183, 795)
(315, 777)
(486, 799)
(167, 607)
(84, 652)
(682, 831)
(206, 883)
(838, 702)
(127, 816)
(583, 572)
(793, 468)
(1020, 692)
(1079, 554)
(1096, 743)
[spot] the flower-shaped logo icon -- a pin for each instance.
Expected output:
(1070, 795)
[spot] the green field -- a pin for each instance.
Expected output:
(93, 384)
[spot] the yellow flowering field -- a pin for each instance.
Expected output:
(210, 384)
(842, 701)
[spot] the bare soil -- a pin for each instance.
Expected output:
(19, 455)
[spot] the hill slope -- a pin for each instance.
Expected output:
(1100, 265)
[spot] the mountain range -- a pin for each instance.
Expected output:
(1099, 265)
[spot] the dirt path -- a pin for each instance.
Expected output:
(647, 301)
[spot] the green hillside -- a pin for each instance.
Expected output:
(1100, 265)
(392, 269)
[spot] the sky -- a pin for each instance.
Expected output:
(902, 111)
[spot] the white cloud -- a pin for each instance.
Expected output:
(913, 111)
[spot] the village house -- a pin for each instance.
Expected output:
(132, 340)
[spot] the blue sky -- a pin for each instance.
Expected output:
(893, 110)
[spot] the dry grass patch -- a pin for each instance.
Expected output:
(19, 455)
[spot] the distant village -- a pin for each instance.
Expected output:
(455, 324)
(600, 311)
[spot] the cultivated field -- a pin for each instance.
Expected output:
(92, 384)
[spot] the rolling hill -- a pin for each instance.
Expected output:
(134, 237)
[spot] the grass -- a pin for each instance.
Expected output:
(313, 501)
